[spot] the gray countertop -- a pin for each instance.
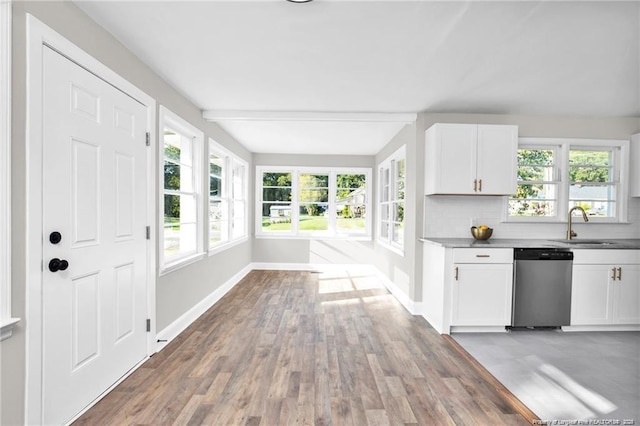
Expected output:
(609, 243)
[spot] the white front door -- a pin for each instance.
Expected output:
(94, 202)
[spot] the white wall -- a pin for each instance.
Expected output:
(176, 292)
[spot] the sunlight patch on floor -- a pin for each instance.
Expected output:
(550, 391)
(342, 302)
(345, 281)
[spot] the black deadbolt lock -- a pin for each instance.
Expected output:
(56, 265)
(55, 237)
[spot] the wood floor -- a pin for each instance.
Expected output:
(284, 348)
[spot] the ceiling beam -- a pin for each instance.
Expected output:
(376, 117)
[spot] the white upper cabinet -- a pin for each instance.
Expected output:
(634, 166)
(471, 159)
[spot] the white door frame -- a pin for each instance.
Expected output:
(39, 35)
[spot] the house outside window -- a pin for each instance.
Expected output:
(538, 182)
(313, 202)
(391, 200)
(555, 175)
(182, 219)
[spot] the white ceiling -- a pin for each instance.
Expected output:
(351, 56)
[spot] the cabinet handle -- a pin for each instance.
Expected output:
(483, 255)
(456, 274)
(619, 273)
(480, 185)
(613, 274)
(475, 185)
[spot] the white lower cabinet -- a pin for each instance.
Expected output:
(605, 287)
(482, 294)
(482, 286)
(467, 289)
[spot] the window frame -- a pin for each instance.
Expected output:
(168, 119)
(620, 171)
(7, 322)
(388, 165)
(228, 195)
(332, 232)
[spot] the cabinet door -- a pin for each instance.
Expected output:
(626, 295)
(450, 159)
(591, 295)
(497, 159)
(482, 294)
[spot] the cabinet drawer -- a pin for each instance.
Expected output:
(477, 255)
(605, 257)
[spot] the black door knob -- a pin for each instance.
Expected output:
(55, 237)
(63, 265)
(56, 264)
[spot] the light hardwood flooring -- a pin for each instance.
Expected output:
(284, 348)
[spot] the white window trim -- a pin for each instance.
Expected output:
(227, 182)
(387, 163)
(7, 322)
(563, 146)
(175, 122)
(323, 235)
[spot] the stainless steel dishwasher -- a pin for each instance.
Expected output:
(541, 287)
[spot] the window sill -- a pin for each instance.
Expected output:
(178, 264)
(6, 327)
(314, 237)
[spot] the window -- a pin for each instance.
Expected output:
(592, 181)
(391, 186)
(227, 197)
(537, 193)
(306, 202)
(555, 175)
(182, 219)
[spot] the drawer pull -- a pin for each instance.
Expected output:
(620, 273)
(483, 255)
(613, 274)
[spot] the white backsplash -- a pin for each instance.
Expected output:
(448, 216)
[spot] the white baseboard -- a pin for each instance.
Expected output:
(179, 325)
(477, 329)
(414, 308)
(315, 267)
(601, 328)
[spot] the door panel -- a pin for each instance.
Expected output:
(627, 298)
(497, 159)
(457, 152)
(125, 173)
(85, 327)
(85, 193)
(94, 194)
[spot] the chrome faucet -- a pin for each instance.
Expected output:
(570, 232)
